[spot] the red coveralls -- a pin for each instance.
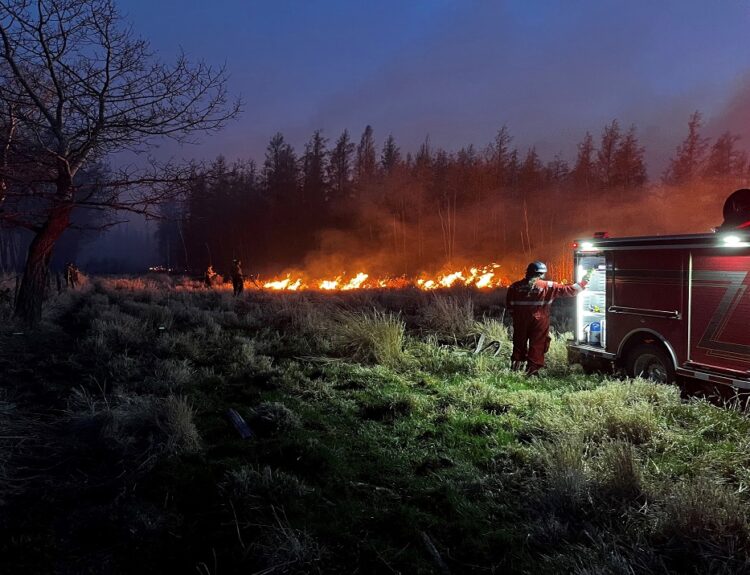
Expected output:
(530, 305)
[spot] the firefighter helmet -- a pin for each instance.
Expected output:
(536, 269)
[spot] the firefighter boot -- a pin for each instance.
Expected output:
(517, 366)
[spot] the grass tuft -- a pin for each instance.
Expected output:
(372, 337)
(449, 318)
(179, 425)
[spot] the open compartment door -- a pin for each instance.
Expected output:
(591, 305)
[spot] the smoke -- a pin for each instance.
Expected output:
(735, 116)
(501, 231)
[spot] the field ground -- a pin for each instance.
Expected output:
(381, 444)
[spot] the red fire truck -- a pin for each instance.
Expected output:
(664, 307)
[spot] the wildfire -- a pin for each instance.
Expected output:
(482, 277)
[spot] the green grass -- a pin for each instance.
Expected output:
(377, 444)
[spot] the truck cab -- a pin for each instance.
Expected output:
(664, 307)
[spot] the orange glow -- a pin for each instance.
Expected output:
(481, 277)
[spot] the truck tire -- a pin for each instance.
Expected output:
(652, 362)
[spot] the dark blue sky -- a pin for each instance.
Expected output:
(458, 70)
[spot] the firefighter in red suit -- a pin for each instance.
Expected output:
(529, 300)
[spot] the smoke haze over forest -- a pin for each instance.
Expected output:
(456, 72)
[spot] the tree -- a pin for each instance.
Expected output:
(605, 156)
(691, 155)
(365, 160)
(390, 157)
(629, 166)
(725, 161)
(76, 85)
(584, 171)
(314, 169)
(584, 175)
(500, 156)
(340, 168)
(280, 172)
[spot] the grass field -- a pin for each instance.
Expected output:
(382, 443)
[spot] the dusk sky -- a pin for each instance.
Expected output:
(458, 70)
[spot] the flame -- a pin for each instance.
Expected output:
(285, 284)
(480, 277)
(329, 284)
(356, 282)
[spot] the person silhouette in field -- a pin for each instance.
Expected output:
(238, 280)
(71, 275)
(209, 277)
(529, 301)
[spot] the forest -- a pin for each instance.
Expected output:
(345, 205)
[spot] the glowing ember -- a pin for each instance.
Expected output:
(481, 277)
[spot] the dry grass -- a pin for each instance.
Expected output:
(179, 426)
(255, 487)
(704, 510)
(630, 411)
(369, 336)
(449, 318)
(493, 336)
(286, 550)
(273, 417)
(567, 474)
(619, 470)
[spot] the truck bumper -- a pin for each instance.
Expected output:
(590, 357)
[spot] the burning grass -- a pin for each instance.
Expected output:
(389, 435)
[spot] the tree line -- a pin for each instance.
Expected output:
(353, 202)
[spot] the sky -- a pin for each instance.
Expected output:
(457, 71)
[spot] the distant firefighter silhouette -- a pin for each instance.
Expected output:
(71, 275)
(238, 280)
(210, 278)
(529, 300)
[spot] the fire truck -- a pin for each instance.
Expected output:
(668, 307)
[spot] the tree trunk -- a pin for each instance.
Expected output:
(34, 283)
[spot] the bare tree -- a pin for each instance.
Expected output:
(76, 85)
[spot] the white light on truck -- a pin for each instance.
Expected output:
(587, 246)
(732, 240)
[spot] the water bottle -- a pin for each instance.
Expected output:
(595, 333)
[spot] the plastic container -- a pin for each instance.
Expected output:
(595, 333)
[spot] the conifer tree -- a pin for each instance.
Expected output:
(690, 155)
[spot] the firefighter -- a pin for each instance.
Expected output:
(71, 275)
(208, 277)
(529, 301)
(238, 280)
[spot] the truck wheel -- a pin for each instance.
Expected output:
(650, 361)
